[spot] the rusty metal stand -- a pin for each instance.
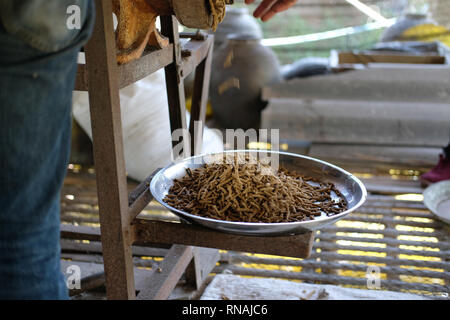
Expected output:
(102, 77)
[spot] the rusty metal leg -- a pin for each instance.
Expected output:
(108, 156)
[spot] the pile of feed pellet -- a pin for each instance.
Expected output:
(253, 192)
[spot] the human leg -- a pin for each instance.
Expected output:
(35, 125)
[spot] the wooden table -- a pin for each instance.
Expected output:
(102, 77)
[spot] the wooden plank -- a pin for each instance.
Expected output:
(406, 66)
(389, 221)
(149, 232)
(149, 62)
(174, 83)
(390, 270)
(69, 231)
(410, 156)
(108, 155)
(161, 232)
(87, 268)
(68, 245)
(344, 67)
(380, 189)
(389, 250)
(389, 261)
(359, 122)
(88, 283)
(374, 168)
(366, 57)
(364, 230)
(197, 51)
(204, 259)
(81, 81)
(390, 85)
(388, 240)
(200, 100)
(82, 257)
(92, 275)
(96, 258)
(140, 197)
(202, 264)
(340, 280)
(390, 186)
(162, 281)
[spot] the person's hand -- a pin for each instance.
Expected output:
(268, 8)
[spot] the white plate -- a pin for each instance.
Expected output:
(437, 198)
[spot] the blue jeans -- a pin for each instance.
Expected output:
(37, 73)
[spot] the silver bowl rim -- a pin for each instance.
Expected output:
(193, 217)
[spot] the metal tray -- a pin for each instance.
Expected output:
(351, 188)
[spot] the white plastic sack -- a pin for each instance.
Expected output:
(145, 125)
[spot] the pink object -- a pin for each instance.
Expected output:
(439, 173)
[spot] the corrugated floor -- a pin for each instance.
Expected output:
(393, 233)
